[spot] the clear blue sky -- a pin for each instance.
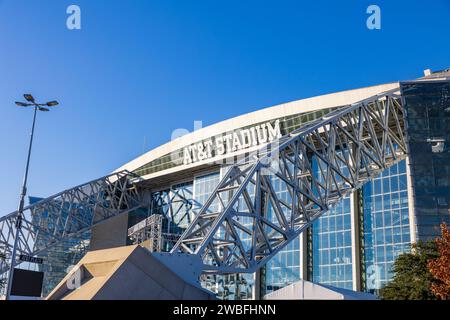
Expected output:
(143, 68)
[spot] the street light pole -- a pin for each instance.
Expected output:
(23, 192)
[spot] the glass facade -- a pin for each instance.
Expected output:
(382, 214)
(175, 206)
(331, 241)
(178, 205)
(332, 247)
(232, 286)
(60, 258)
(428, 116)
(182, 204)
(385, 209)
(386, 224)
(203, 187)
(284, 268)
(385, 216)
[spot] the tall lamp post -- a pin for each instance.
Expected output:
(37, 107)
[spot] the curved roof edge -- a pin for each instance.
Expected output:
(331, 100)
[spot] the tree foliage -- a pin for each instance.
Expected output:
(440, 267)
(412, 279)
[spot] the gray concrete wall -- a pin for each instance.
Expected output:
(126, 273)
(110, 234)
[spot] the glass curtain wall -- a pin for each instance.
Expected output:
(284, 268)
(331, 241)
(227, 287)
(386, 224)
(428, 116)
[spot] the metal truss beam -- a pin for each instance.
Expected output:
(151, 229)
(68, 215)
(266, 200)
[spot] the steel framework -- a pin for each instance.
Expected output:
(151, 229)
(68, 214)
(176, 204)
(317, 164)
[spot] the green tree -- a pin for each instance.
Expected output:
(412, 279)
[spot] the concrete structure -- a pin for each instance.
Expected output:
(124, 273)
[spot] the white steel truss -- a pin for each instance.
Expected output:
(317, 164)
(68, 214)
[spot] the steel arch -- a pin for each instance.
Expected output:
(349, 146)
(68, 214)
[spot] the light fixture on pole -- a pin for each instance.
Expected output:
(37, 107)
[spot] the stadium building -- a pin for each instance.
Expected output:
(352, 244)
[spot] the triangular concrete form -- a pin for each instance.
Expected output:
(305, 290)
(125, 273)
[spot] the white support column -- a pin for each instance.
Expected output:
(411, 213)
(355, 235)
(303, 239)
